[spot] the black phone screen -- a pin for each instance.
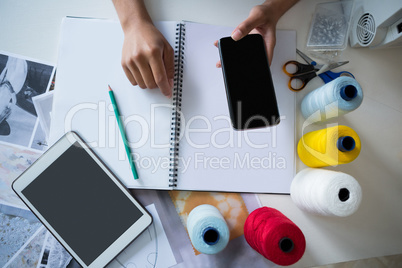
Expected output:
(248, 81)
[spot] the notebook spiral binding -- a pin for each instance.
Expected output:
(177, 94)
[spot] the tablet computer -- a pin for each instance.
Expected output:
(81, 202)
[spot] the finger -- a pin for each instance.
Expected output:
(242, 30)
(147, 75)
(218, 63)
(134, 70)
(253, 21)
(129, 75)
(161, 78)
(168, 60)
(270, 41)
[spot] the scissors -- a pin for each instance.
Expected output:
(305, 72)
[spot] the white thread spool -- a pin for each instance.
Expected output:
(326, 192)
(207, 229)
(333, 99)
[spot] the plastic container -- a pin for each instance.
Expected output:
(329, 29)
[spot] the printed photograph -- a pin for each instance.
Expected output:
(20, 81)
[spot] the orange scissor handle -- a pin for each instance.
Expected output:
(293, 79)
(304, 73)
(303, 78)
(300, 68)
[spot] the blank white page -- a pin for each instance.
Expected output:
(215, 157)
(89, 60)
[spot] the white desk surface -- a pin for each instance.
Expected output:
(31, 28)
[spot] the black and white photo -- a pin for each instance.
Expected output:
(21, 79)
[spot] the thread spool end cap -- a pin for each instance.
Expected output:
(348, 92)
(286, 244)
(210, 236)
(343, 194)
(346, 143)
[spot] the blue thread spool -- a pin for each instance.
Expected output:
(333, 99)
(345, 144)
(207, 229)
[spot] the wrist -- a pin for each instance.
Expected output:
(132, 14)
(134, 23)
(279, 6)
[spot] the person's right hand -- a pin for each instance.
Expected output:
(262, 20)
(147, 58)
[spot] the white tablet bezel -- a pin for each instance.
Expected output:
(44, 162)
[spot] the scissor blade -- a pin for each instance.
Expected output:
(331, 66)
(305, 57)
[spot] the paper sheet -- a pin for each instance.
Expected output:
(150, 249)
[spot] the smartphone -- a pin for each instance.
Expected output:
(249, 87)
(81, 202)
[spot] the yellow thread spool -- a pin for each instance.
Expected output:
(329, 147)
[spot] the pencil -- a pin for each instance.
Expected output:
(123, 133)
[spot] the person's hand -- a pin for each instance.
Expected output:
(262, 20)
(148, 59)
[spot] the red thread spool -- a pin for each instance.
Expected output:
(274, 236)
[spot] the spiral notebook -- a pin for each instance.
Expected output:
(183, 143)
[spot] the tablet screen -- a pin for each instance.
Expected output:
(82, 203)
